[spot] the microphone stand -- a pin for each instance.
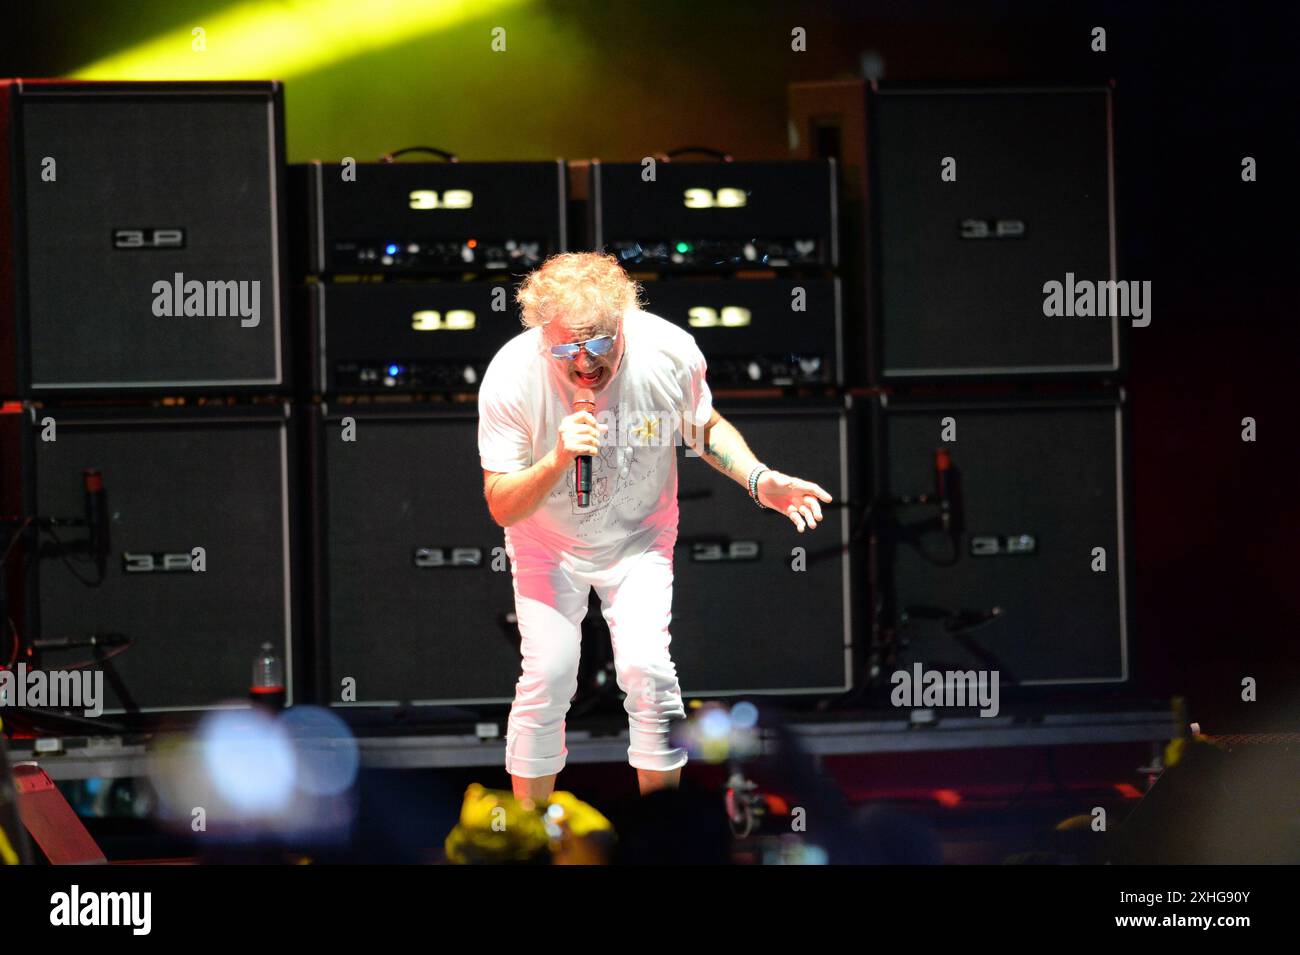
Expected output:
(57, 721)
(888, 624)
(885, 532)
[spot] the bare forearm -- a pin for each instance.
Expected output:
(722, 446)
(727, 452)
(513, 497)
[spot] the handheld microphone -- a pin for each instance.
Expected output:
(583, 400)
(96, 517)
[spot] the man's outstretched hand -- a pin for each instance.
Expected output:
(795, 498)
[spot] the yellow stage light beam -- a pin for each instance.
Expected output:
(277, 40)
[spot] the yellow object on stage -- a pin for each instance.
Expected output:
(496, 828)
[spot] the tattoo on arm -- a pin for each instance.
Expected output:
(719, 455)
(725, 450)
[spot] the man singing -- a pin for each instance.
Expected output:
(586, 330)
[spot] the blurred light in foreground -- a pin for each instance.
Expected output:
(328, 755)
(948, 798)
(744, 715)
(789, 850)
(248, 774)
(716, 734)
(288, 38)
(250, 760)
(715, 724)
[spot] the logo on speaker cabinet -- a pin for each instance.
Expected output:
(716, 551)
(991, 228)
(155, 563)
(434, 557)
(148, 238)
(1001, 545)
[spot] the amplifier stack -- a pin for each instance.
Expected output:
(741, 254)
(745, 257)
(408, 273)
(149, 451)
(999, 473)
(239, 396)
(408, 270)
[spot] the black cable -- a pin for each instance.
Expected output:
(106, 657)
(863, 521)
(975, 627)
(14, 540)
(72, 570)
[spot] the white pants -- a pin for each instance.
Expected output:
(550, 603)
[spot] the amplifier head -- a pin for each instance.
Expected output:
(428, 218)
(780, 332)
(716, 217)
(373, 338)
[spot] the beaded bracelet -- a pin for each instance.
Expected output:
(754, 475)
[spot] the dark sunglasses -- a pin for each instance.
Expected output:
(595, 346)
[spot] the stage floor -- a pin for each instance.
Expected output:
(604, 739)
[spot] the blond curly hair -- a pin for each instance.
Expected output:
(578, 284)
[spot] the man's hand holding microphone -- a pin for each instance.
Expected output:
(579, 439)
(513, 497)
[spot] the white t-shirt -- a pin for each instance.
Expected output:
(660, 383)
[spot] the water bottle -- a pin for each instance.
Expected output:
(267, 689)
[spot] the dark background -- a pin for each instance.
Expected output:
(1198, 86)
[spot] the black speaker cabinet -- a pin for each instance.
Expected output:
(143, 238)
(1038, 494)
(759, 608)
(414, 597)
(176, 480)
(959, 264)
